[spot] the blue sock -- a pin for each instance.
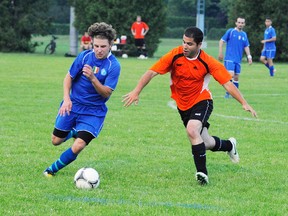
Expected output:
(72, 133)
(267, 65)
(271, 70)
(236, 83)
(66, 158)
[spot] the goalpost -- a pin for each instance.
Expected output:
(201, 18)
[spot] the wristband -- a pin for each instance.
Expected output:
(249, 57)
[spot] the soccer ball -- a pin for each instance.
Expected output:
(87, 178)
(124, 55)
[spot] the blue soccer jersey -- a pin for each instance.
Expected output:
(83, 95)
(235, 43)
(268, 34)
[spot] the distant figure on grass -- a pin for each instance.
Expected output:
(236, 41)
(190, 69)
(89, 83)
(269, 47)
(86, 43)
(139, 29)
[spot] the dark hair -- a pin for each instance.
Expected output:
(268, 18)
(102, 30)
(195, 33)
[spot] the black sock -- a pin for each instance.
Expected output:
(199, 155)
(221, 145)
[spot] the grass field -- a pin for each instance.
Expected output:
(142, 154)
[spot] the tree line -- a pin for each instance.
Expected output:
(21, 19)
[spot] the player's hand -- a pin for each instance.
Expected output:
(130, 98)
(248, 108)
(65, 108)
(88, 72)
(220, 57)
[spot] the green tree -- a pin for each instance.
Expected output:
(19, 20)
(255, 23)
(121, 15)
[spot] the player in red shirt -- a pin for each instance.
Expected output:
(86, 42)
(190, 69)
(139, 29)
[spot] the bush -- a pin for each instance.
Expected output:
(60, 29)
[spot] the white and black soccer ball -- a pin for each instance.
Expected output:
(87, 178)
(124, 55)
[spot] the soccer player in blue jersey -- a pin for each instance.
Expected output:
(87, 86)
(236, 42)
(269, 48)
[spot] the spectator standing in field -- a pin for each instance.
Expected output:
(86, 43)
(269, 47)
(190, 69)
(236, 42)
(139, 29)
(89, 83)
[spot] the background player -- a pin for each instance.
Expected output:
(269, 47)
(236, 41)
(139, 29)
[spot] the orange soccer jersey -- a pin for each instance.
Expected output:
(190, 77)
(139, 28)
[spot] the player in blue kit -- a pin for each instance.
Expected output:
(89, 83)
(236, 42)
(269, 47)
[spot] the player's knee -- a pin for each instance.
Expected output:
(192, 132)
(83, 139)
(78, 146)
(56, 140)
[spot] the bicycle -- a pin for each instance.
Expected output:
(51, 47)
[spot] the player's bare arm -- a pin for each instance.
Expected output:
(101, 89)
(230, 87)
(220, 55)
(133, 96)
(67, 104)
(249, 57)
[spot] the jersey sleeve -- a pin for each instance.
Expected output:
(246, 41)
(145, 26)
(77, 65)
(226, 36)
(164, 64)
(113, 76)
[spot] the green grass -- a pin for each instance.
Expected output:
(142, 154)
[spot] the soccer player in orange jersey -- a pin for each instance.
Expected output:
(190, 69)
(139, 29)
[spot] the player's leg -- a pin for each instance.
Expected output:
(193, 119)
(263, 58)
(236, 75)
(88, 128)
(68, 156)
(270, 57)
(138, 46)
(193, 130)
(216, 144)
(144, 49)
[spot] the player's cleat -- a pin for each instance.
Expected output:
(202, 178)
(234, 156)
(48, 173)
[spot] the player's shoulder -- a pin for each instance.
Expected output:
(114, 61)
(206, 57)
